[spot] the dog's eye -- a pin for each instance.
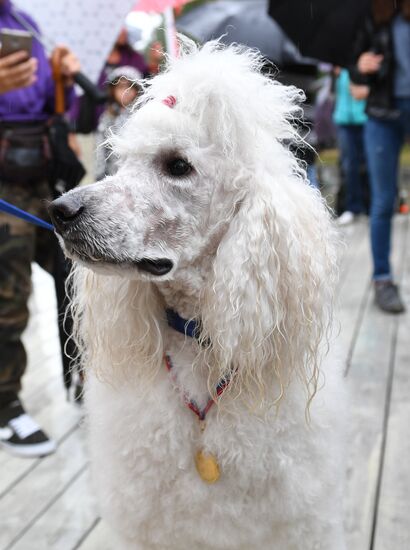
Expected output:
(178, 167)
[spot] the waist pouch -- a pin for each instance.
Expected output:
(24, 153)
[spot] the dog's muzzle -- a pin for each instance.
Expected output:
(67, 212)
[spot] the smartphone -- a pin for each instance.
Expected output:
(14, 41)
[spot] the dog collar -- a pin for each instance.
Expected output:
(206, 463)
(190, 328)
(191, 403)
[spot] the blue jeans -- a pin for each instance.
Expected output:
(351, 143)
(311, 173)
(383, 141)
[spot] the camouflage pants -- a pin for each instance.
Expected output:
(20, 244)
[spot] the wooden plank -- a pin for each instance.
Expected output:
(56, 416)
(392, 529)
(34, 494)
(35, 381)
(355, 243)
(41, 335)
(102, 537)
(355, 249)
(368, 381)
(63, 524)
(41, 338)
(352, 293)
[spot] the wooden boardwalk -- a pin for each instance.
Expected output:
(48, 503)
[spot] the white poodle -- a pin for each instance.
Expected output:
(203, 280)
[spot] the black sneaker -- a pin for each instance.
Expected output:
(20, 435)
(388, 297)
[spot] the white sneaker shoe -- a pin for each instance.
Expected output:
(346, 218)
(20, 434)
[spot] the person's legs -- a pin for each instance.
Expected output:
(383, 140)
(16, 254)
(19, 434)
(350, 138)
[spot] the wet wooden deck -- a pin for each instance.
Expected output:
(48, 503)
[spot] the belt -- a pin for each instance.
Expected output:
(15, 124)
(25, 156)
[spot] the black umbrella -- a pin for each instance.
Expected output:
(322, 29)
(242, 21)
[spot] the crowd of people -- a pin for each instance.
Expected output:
(371, 114)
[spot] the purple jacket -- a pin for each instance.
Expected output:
(36, 102)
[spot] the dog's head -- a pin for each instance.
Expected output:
(163, 208)
(187, 157)
(207, 184)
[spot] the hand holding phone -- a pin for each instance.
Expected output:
(16, 71)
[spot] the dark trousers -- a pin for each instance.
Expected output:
(384, 140)
(20, 244)
(351, 143)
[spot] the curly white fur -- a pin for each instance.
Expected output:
(253, 253)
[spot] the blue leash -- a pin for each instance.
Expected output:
(18, 213)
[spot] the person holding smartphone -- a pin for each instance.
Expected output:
(382, 62)
(26, 104)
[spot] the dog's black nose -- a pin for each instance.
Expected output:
(65, 210)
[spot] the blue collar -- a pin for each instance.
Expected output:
(188, 328)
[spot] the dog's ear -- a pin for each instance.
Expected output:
(268, 304)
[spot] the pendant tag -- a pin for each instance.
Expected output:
(207, 467)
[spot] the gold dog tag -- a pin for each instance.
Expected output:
(207, 467)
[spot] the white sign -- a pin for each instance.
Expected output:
(88, 27)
